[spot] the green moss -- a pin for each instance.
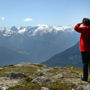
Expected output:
(39, 65)
(55, 70)
(26, 70)
(61, 86)
(26, 86)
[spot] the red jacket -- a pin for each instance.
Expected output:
(85, 33)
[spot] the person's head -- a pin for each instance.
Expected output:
(86, 21)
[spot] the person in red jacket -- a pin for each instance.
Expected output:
(84, 45)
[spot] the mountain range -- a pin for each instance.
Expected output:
(35, 43)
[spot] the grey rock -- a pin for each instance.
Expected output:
(44, 88)
(57, 76)
(1, 68)
(41, 73)
(43, 80)
(82, 87)
(45, 69)
(14, 75)
(4, 81)
(3, 88)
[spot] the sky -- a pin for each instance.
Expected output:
(50, 12)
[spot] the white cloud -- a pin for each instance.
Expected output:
(27, 20)
(3, 18)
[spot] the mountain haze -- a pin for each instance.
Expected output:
(8, 57)
(37, 43)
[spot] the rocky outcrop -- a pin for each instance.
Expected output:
(11, 79)
(43, 80)
(36, 75)
(15, 75)
(4, 81)
(26, 64)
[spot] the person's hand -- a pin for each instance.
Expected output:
(80, 23)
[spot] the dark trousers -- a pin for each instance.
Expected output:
(86, 63)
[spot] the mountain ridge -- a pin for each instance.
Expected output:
(70, 56)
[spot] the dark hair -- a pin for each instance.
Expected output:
(86, 21)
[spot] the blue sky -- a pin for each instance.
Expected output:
(50, 12)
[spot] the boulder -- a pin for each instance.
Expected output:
(41, 73)
(43, 80)
(15, 75)
(3, 88)
(4, 81)
(1, 68)
(58, 76)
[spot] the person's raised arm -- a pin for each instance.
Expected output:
(77, 28)
(80, 29)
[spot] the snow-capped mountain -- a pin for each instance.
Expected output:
(34, 30)
(38, 42)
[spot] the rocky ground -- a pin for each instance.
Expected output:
(34, 76)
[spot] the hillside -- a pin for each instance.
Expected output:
(71, 57)
(34, 76)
